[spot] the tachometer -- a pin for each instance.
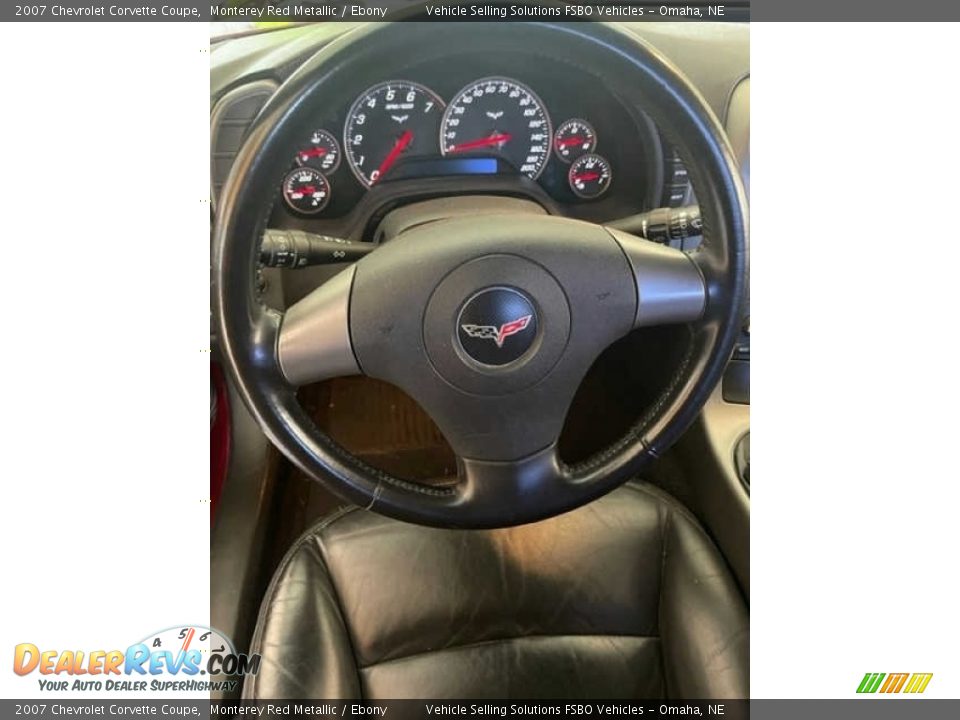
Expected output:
(499, 116)
(390, 120)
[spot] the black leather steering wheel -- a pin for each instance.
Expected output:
(489, 322)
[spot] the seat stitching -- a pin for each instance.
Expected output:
(495, 641)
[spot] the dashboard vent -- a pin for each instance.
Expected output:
(229, 122)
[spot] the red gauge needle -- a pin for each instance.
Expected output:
(398, 147)
(575, 140)
(587, 177)
(481, 142)
(313, 152)
(308, 190)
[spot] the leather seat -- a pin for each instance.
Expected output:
(623, 598)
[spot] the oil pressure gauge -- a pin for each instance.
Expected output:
(589, 176)
(306, 190)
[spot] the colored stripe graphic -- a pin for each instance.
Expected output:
(918, 682)
(870, 682)
(895, 683)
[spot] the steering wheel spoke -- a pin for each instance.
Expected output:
(515, 489)
(314, 340)
(670, 287)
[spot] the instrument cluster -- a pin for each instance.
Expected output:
(496, 125)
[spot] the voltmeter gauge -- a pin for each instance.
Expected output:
(589, 176)
(306, 190)
(323, 153)
(573, 139)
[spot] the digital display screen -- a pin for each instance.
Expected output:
(439, 167)
(468, 166)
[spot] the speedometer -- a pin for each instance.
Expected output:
(499, 116)
(388, 121)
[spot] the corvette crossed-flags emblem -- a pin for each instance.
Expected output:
(497, 334)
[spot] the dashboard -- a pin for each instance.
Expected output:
(511, 122)
(496, 125)
(535, 127)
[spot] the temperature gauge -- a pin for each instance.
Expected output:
(589, 176)
(573, 139)
(322, 154)
(306, 190)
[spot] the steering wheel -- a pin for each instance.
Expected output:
(490, 322)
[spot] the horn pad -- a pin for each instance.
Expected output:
(496, 324)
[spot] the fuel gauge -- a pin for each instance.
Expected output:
(590, 176)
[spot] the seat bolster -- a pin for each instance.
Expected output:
(704, 622)
(301, 634)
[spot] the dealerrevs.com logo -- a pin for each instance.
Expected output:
(180, 659)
